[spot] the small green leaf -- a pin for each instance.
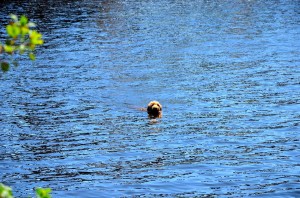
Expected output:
(32, 56)
(35, 38)
(23, 20)
(4, 66)
(9, 49)
(5, 191)
(13, 30)
(36, 41)
(24, 30)
(43, 192)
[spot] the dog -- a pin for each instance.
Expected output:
(154, 109)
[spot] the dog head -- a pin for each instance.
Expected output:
(154, 109)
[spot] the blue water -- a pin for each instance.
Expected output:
(226, 72)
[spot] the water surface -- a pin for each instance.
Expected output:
(226, 72)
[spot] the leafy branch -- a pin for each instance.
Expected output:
(21, 39)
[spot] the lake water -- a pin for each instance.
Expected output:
(226, 72)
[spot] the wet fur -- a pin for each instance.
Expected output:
(154, 109)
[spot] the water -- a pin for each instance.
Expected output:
(226, 72)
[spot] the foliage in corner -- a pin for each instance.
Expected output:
(43, 192)
(6, 192)
(21, 39)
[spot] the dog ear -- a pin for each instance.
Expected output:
(160, 106)
(149, 108)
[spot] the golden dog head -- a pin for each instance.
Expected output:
(154, 109)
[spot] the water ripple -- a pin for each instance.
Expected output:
(226, 73)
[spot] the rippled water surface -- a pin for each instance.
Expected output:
(226, 72)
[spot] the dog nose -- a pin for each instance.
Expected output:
(155, 107)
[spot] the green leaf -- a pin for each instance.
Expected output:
(9, 49)
(24, 30)
(13, 30)
(5, 191)
(1, 49)
(23, 20)
(32, 56)
(5, 68)
(35, 38)
(43, 192)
